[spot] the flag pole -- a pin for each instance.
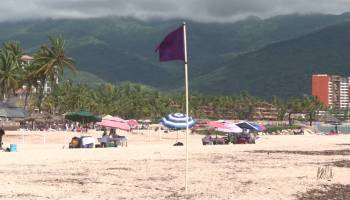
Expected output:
(186, 88)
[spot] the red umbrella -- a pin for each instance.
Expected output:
(114, 124)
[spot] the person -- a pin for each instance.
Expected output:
(2, 133)
(111, 133)
(336, 129)
(104, 139)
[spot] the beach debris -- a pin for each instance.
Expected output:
(326, 192)
(325, 172)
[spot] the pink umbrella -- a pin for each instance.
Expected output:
(114, 124)
(230, 128)
(132, 123)
(224, 127)
(116, 119)
(215, 124)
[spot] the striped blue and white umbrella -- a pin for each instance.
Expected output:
(177, 121)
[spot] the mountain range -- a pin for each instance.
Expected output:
(265, 57)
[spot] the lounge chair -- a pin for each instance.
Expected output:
(120, 140)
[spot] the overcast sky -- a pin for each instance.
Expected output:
(199, 10)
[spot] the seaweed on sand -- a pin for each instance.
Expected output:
(327, 192)
(323, 153)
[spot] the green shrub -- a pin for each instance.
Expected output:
(273, 128)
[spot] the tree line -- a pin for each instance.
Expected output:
(137, 101)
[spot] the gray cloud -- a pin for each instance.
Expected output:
(199, 10)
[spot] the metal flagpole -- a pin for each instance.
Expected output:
(186, 87)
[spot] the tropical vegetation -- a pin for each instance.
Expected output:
(128, 100)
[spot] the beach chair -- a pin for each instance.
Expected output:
(110, 143)
(118, 140)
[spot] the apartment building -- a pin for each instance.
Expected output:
(331, 90)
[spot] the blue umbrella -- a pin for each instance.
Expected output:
(250, 126)
(177, 121)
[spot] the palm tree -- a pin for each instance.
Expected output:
(53, 59)
(9, 74)
(281, 106)
(311, 105)
(14, 48)
(52, 62)
(30, 79)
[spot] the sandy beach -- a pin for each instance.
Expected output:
(276, 167)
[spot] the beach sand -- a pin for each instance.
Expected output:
(276, 167)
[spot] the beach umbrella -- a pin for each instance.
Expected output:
(114, 124)
(107, 116)
(82, 116)
(225, 127)
(177, 121)
(117, 119)
(249, 125)
(258, 127)
(9, 111)
(133, 123)
(215, 124)
(230, 128)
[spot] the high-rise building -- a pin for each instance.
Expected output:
(331, 90)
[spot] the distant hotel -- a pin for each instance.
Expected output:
(331, 90)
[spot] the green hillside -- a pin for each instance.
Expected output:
(283, 68)
(122, 49)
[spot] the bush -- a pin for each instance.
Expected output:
(271, 129)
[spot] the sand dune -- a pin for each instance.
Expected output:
(277, 167)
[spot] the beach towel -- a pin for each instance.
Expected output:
(87, 142)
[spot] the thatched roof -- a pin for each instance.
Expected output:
(44, 117)
(11, 111)
(328, 118)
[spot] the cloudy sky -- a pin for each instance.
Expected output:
(199, 10)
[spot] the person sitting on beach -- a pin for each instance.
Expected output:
(112, 133)
(104, 139)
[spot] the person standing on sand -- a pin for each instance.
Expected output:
(2, 133)
(104, 139)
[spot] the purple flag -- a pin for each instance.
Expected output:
(172, 47)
